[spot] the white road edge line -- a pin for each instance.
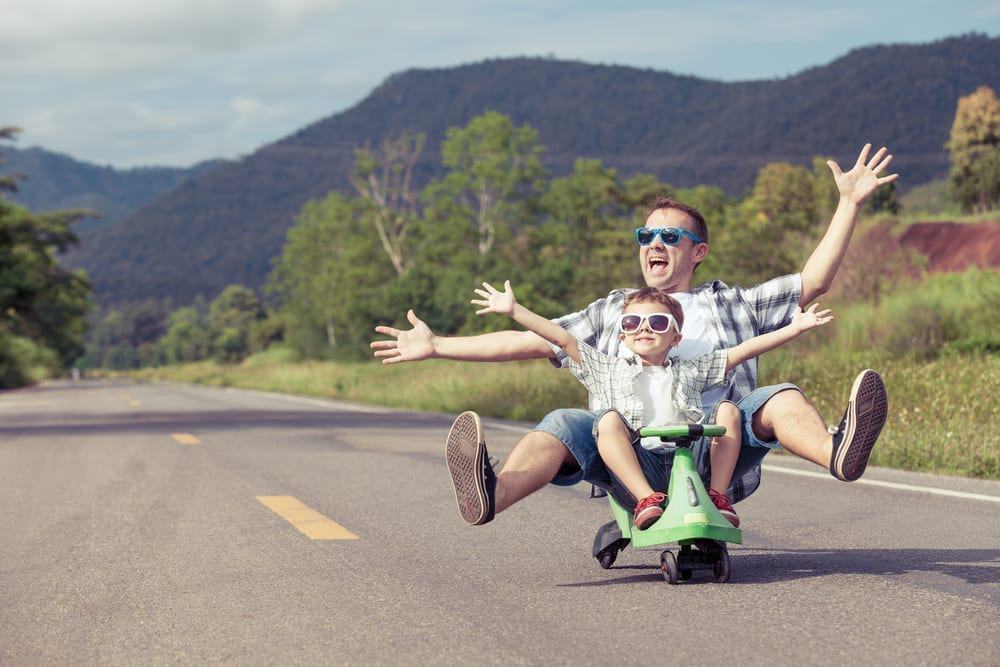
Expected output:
(330, 405)
(888, 485)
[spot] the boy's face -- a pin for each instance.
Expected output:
(650, 346)
(670, 267)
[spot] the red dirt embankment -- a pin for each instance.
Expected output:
(955, 246)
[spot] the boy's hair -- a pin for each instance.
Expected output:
(656, 295)
(700, 227)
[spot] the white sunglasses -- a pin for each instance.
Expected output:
(657, 322)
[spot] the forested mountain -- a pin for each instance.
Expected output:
(226, 225)
(53, 181)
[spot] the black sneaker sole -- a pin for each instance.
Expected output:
(863, 422)
(465, 451)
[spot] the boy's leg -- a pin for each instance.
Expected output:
(614, 442)
(725, 448)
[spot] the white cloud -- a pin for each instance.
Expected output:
(112, 36)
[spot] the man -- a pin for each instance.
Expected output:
(715, 316)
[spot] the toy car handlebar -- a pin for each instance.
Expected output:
(674, 432)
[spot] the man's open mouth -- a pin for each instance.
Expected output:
(658, 263)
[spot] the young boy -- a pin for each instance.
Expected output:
(650, 389)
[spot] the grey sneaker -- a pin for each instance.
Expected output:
(471, 473)
(855, 436)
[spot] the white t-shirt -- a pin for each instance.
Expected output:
(697, 338)
(654, 381)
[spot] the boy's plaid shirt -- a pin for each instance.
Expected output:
(612, 381)
(735, 314)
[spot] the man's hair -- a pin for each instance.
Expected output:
(700, 227)
(656, 295)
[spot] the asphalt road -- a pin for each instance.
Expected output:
(143, 524)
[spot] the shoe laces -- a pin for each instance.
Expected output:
(720, 500)
(651, 500)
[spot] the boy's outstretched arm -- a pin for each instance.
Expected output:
(802, 321)
(504, 303)
(855, 186)
(421, 343)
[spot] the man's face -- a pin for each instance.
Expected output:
(670, 267)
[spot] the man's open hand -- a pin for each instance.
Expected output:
(862, 180)
(413, 345)
(494, 301)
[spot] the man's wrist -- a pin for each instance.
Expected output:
(435, 352)
(849, 204)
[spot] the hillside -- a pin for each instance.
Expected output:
(54, 181)
(227, 224)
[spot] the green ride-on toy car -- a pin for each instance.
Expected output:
(690, 518)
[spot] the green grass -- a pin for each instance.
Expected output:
(936, 343)
(942, 419)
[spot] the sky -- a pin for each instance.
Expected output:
(175, 82)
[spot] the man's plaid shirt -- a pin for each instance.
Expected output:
(734, 314)
(613, 381)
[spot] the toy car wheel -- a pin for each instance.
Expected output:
(607, 558)
(722, 566)
(668, 564)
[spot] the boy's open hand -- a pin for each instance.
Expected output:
(863, 179)
(494, 301)
(811, 318)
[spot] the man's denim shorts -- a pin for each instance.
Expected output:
(575, 428)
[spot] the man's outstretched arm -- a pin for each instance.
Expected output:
(855, 186)
(421, 343)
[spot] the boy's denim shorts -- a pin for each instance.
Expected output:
(575, 428)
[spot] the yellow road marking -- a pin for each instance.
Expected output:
(185, 438)
(311, 523)
(134, 403)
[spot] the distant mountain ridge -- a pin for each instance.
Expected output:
(54, 181)
(226, 225)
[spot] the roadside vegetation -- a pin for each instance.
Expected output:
(936, 342)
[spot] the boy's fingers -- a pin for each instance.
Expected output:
(878, 156)
(880, 167)
(863, 156)
(887, 179)
(835, 168)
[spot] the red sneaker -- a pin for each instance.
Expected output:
(648, 510)
(721, 502)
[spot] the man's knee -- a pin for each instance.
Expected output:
(545, 446)
(783, 405)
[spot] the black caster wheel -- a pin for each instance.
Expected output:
(607, 558)
(686, 574)
(668, 565)
(722, 566)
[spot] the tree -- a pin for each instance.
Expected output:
(384, 179)
(975, 151)
(330, 277)
(494, 166)
(187, 337)
(767, 233)
(230, 318)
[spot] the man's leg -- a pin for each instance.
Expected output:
(789, 418)
(560, 450)
(533, 463)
